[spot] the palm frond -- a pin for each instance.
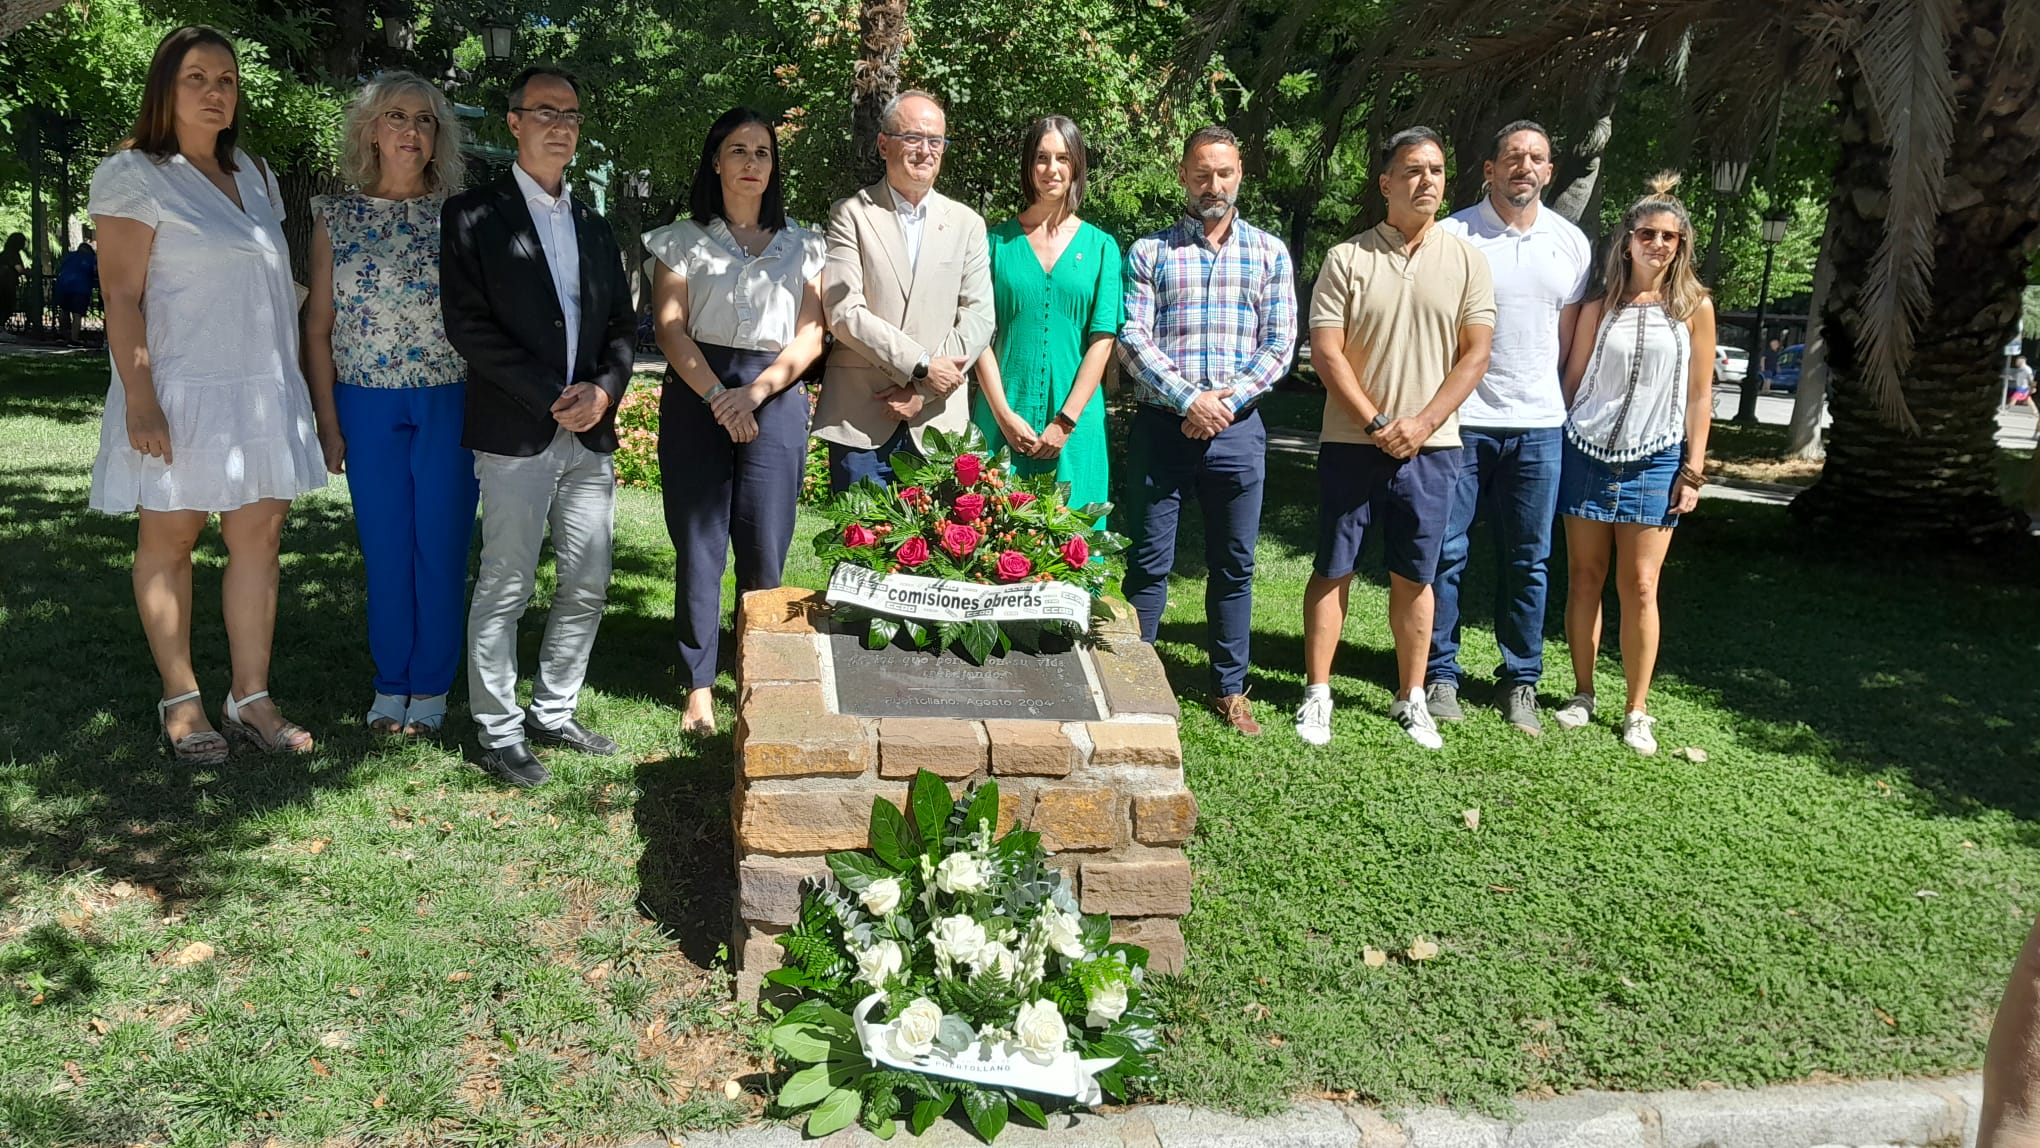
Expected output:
(1903, 60)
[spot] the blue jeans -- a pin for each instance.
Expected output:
(1509, 477)
(849, 465)
(414, 496)
(1227, 475)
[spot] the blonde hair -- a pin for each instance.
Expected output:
(1682, 290)
(359, 161)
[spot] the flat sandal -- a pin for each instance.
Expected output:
(206, 747)
(285, 740)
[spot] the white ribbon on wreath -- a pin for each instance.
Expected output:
(988, 1065)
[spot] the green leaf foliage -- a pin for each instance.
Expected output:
(986, 1110)
(835, 1112)
(931, 803)
(894, 839)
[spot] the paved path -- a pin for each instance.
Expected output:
(1882, 1114)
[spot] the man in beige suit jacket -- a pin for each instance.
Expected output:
(908, 287)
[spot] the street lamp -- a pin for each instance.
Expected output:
(498, 38)
(1728, 180)
(1776, 223)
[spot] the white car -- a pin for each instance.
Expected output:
(1730, 364)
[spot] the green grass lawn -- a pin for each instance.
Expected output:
(404, 952)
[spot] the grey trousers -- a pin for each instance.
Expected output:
(574, 490)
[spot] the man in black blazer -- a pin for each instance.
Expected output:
(534, 294)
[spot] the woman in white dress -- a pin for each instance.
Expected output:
(208, 411)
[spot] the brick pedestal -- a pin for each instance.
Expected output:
(1106, 796)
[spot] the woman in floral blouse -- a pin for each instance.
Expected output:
(388, 390)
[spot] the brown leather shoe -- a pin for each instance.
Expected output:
(1237, 714)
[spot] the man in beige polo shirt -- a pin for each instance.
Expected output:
(1400, 326)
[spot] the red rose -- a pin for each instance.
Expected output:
(1019, 498)
(968, 468)
(856, 534)
(969, 507)
(910, 494)
(958, 539)
(1014, 566)
(1076, 551)
(912, 552)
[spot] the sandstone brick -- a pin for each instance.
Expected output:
(764, 701)
(1164, 818)
(949, 748)
(1031, 748)
(767, 657)
(1135, 743)
(1156, 888)
(1070, 819)
(768, 888)
(1115, 617)
(1131, 677)
(793, 743)
(1162, 937)
(786, 610)
(818, 820)
(758, 952)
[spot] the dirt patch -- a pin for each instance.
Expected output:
(1783, 471)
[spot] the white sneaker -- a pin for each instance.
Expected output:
(1415, 718)
(1577, 711)
(1636, 733)
(1314, 721)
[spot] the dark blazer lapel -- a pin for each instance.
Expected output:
(525, 246)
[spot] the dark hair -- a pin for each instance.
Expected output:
(1408, 138)
(16, 241)
(523, 78)
(1206, 136)
(1511, 128)
(155, 133)
(705, 200)
(1080, 166)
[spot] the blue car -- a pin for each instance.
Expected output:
(1786, 378)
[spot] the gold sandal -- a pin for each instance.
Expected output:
(285, 740)
(206, 747)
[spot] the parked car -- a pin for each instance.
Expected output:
(1730, 363)
(1787, 377)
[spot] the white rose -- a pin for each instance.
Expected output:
(1064, 932)
(1106, 1005)
(912, 1034)
(878, 962)
(997, 958)
(1039, 1031)
(881, 897)
(960, 873)
(957, 939)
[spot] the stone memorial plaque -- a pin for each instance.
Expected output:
(895, 682)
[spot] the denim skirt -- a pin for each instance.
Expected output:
(1637, 492)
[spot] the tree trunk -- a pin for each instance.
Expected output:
(299, 183)
(1940, 484)
(1802, 438)
(1578, 186)
(882, 33)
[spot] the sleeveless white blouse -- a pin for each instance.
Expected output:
(1632, 401)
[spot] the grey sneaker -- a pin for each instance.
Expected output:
(1518, 704)
(1442, 699)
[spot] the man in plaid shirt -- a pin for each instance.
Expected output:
(1210, 327)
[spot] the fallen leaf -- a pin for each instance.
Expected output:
(334, 1039)
(1692, 753)
(1923, 894)
(72, 1070)
(1969, 844)
(731, 1089)
(121, 889)
(101, 1027)
(1422, 950)
(318, 844)
(1276, 1042)
(72, 920)
(319, 1067)
(361, 952)
(1885, 1017)
(354, 990)
(197, 952)
(1257, 1011)
(1472, 819)
(653, 1029)
(457, 977)
(1373, 958)
(248, 1006)
(1501, 888)
(380, 1100)
(36, 999)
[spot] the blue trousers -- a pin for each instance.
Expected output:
(414, 493)
(1510, 478)
(1226, 474)
(721, 495)
(848, 464)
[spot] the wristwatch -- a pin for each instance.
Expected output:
(921, 367)
(1064, 421)
(1380, 420)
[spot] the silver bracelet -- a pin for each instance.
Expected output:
(713, 392)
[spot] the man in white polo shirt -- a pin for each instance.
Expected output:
(1511, 427)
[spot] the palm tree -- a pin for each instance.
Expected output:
(882, 34)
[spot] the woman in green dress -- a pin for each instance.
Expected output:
(1057, 289)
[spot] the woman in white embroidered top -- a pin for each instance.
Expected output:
(738, 307)
(207, 412)
(1639, 385)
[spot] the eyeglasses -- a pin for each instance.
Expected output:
(399, 119)
(916, 141)
(1649, 235)
(547, 115)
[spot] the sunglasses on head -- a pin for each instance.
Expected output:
(1653, 235)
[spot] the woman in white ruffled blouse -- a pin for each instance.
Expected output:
(1639, 388)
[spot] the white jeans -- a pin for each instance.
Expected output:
(574, 489)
